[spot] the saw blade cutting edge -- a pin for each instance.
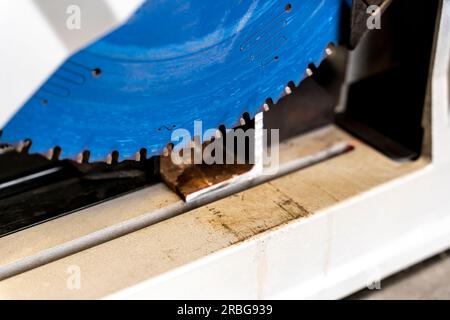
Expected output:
(172, 63)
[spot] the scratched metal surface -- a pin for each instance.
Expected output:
(172, 63)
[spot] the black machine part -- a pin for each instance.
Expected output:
(388, 86)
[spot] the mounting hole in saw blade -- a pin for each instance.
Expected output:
(288, 7)
(97, 72)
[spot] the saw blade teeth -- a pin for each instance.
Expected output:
(57, 153)
(27, 145)
(23, 146)
(165, 152)
(54, 153)
(245, 119)
(311, 70)
(289, 88)
(50, 154)
(268, 104)
(223, 129)
(329, 49)
(86, 156)
(20, 146)
(83, 157)
(141, 155)
(137, 156)
(218, 134)
(113, 158)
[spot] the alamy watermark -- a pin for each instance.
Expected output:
(373, 280)
(374, 20)
(73, 281)
(250, 146)
(73, 21)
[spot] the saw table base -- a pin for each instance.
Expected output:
(235, 233)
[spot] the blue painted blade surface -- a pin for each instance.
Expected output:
(172, 63)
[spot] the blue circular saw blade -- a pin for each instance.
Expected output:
(172, 63)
